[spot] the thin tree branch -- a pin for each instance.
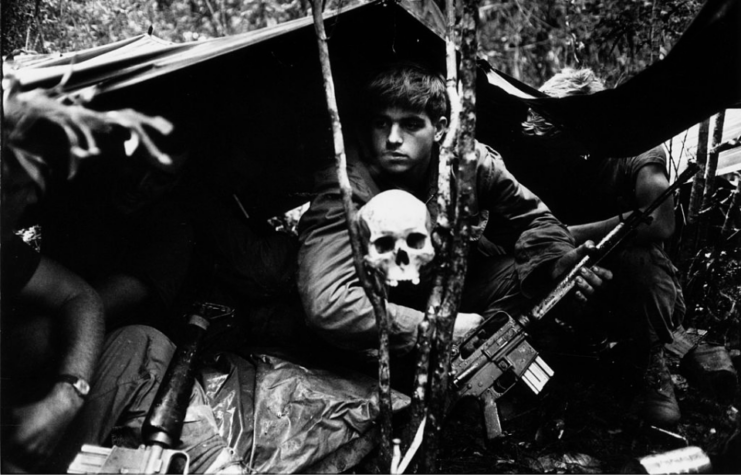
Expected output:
(444, 230)
(712, 164)
(733, 208)
(418, 409)
(698, 185)
(727, 145)
(37, 20)
(370, 281)
(463, 164)
(215, 23)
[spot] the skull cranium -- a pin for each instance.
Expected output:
(396, 227)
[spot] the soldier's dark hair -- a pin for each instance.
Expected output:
(410, 86)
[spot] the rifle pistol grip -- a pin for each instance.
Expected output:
(491, 414)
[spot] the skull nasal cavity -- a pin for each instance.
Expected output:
(402, 258)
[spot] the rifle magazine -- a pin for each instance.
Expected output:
(537, 375)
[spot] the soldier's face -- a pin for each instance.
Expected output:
(402, 140)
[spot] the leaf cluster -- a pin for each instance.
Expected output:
(532, 40)
(46, 26)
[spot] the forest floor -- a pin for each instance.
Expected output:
(581, 422)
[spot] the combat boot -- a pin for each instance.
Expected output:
(656, 403)
(710, 368)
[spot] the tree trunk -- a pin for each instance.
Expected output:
(652, 34)
(461, 139)
(690, 236)
(698, 186)
(711, 166)
(370, 281)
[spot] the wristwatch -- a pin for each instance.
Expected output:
(81, 387)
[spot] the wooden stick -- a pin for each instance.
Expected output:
(727, 230)
(698, 185)
(374, 288)
(402, 465)
(446, 218)
(463, 164)
(396, 457)
(418, 409)
(712, 163)
(727, 145)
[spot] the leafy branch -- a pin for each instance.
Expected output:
(727, 145)
(23, 111)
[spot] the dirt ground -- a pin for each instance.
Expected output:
(581, 422)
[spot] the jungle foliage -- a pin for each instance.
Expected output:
(528, 39)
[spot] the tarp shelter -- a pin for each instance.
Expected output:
(251, 107)
(700, 76)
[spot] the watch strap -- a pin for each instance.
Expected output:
(81, 387)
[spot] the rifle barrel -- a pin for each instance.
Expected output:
(604, 248)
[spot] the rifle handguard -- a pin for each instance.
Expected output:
(492, 358)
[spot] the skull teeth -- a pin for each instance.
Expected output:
(394, 283)
(397, 233)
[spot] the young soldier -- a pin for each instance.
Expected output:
(403, 121)
(645, 302)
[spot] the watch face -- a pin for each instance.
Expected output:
(82, 387)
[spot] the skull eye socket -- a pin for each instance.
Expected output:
(416, 240)
(384, 244)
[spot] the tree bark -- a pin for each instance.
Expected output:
(733, 208)
(711, 167)
(444, 231)
(688, 248)
(459, 149)
(372, 285)
(698, 185)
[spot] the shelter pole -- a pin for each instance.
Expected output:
(370, 281)
(459, 149)
(711, 167)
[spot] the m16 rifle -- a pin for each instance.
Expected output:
(164, 423)
(488, 361)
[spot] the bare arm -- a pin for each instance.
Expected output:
(76, 308)
(78, 321)
(650, 183)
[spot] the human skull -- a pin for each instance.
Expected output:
(396, 227)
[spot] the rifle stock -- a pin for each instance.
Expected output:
(488, 361)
